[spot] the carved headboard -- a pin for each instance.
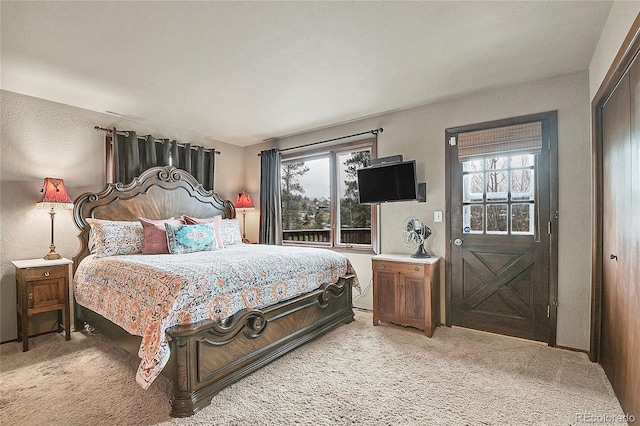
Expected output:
(158, 193)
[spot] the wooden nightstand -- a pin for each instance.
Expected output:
(42, 286)
(406, 291)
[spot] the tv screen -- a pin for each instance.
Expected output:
(387, 182)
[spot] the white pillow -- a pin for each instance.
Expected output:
(230, 231)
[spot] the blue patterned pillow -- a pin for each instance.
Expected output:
(191, 238)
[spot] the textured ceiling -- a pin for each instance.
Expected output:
(241, 72)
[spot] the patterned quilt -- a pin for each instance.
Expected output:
(146, 294)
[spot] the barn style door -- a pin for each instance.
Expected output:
(502, 225)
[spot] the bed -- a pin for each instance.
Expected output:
(200, 349)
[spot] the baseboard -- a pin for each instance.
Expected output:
(569, 348)
(31, 336)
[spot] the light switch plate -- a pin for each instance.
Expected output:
(437, 216)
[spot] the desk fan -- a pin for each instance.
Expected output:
(416, 233)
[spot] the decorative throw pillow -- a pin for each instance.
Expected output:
(112, 238)
(191, 238)
(216, 220)
(230, 230)
(155, 235)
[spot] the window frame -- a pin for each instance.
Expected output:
(332, 152)
(509, 201)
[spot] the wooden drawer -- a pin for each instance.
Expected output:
(58, 271)
(406, 268)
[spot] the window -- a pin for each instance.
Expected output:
(498, 195)
(320, 198)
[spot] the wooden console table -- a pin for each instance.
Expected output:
(406, 291)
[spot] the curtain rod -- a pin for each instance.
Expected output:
(372, 131)
(123, 133)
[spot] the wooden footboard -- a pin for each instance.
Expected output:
(210, 355)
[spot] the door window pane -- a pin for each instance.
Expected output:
(497, 163)
(497, 186)
(355, 218)
(503, 191)
(473, 166)
(522, 161)
(497, 218)
(473, 184)
(522, 219)
(472, 219)
(522, 185)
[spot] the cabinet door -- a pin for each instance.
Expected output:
(44, 295)
(412, 301)
(385, 297)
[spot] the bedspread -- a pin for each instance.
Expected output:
(146, 294)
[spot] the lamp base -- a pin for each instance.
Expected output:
(52, 255)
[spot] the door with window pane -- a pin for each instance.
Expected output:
(500, 241)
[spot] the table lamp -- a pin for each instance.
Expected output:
(55, 196)
(244, 204)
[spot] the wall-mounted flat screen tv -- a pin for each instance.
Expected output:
(388, 182)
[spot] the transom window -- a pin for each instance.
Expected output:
(499, 195)
(320, 198)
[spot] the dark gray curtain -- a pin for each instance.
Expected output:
(270, 199)
(134, 154)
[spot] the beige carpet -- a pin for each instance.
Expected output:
(355, 375)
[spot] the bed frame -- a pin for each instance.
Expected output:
(209, 355)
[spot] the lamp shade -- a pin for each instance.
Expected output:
(244, 201)
(54, 192)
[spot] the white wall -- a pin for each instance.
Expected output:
(418, 133)
(620, 19)
(45, 139)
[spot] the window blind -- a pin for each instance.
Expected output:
(500, 141)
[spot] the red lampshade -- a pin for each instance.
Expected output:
(244, 201)
(55, 192)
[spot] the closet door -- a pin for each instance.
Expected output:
(620, 344)
(633, 249)
(615, 316)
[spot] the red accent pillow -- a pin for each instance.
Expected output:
(155, 235)
(217, 222)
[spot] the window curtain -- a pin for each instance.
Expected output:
(270, 198)
(500, 141)
(134, 154)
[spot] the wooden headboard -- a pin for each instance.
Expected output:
(158, 193)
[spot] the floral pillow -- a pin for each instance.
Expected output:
(113, 238)
(230, 230)
(216, 220)
(191, 238)
(155, 235)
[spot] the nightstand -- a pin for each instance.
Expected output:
(42, 286)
